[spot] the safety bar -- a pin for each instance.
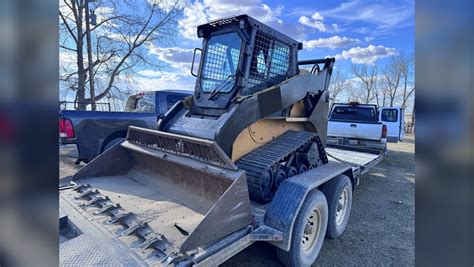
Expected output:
(328, 63)
(317, 61)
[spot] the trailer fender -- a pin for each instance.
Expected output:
(285, 206)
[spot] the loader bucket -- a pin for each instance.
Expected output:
(186, 189)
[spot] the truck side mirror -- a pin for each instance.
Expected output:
(194, 57)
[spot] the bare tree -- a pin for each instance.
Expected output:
(377, 91)
(367, 76)
(351, 92)
(392, 76)
(119, 40)
(406, 69)
(338, 85)
(385, 94)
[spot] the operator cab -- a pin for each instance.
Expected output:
(241, 57)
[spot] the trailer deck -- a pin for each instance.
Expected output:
(360, 159)
(140, 219)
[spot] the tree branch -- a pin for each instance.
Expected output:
(105, 21)
(67, 48)
(118, 54)
(67, 27)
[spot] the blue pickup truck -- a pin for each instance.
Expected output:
(86, 134)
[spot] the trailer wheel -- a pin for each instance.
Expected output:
(308, 232)
(338, 192)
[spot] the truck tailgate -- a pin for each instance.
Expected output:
(367, 131)
(359, 158)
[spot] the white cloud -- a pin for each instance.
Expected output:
(317, 16)
(217, 9)
(162, 76)
(194, 16)
(362, 30)
(179, 58)
(67, 64)
(150, 73)
(64, 9)
(203, 11)
(384, 16)
(171, 54)
(67, 57)
(167, 5)
(163, 80)
(317, 22)
(331, 42)
(367, 55)
(103, 13)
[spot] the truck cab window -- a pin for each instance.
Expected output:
(354, 113)
(145, 103)
(390, 115)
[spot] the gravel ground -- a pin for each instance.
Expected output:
(381, 230)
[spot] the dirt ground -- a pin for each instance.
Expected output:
(381, 229)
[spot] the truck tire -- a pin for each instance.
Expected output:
(308, 232)
(112, 143)
(338, 192)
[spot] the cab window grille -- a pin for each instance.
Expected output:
(269, 65)
(221, 62)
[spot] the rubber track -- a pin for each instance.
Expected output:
(258, 163)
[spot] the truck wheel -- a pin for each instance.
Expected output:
(308, 232)
(338, 192)
(112, 143)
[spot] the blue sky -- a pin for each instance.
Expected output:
(355, 32)
(360, 32)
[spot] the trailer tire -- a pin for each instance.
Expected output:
(338, 192)
(312, 218)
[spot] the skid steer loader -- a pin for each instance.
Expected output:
(241, 160)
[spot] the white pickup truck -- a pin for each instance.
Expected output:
(356, 125)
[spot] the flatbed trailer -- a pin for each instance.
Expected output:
(242, 160)
(128, 220)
